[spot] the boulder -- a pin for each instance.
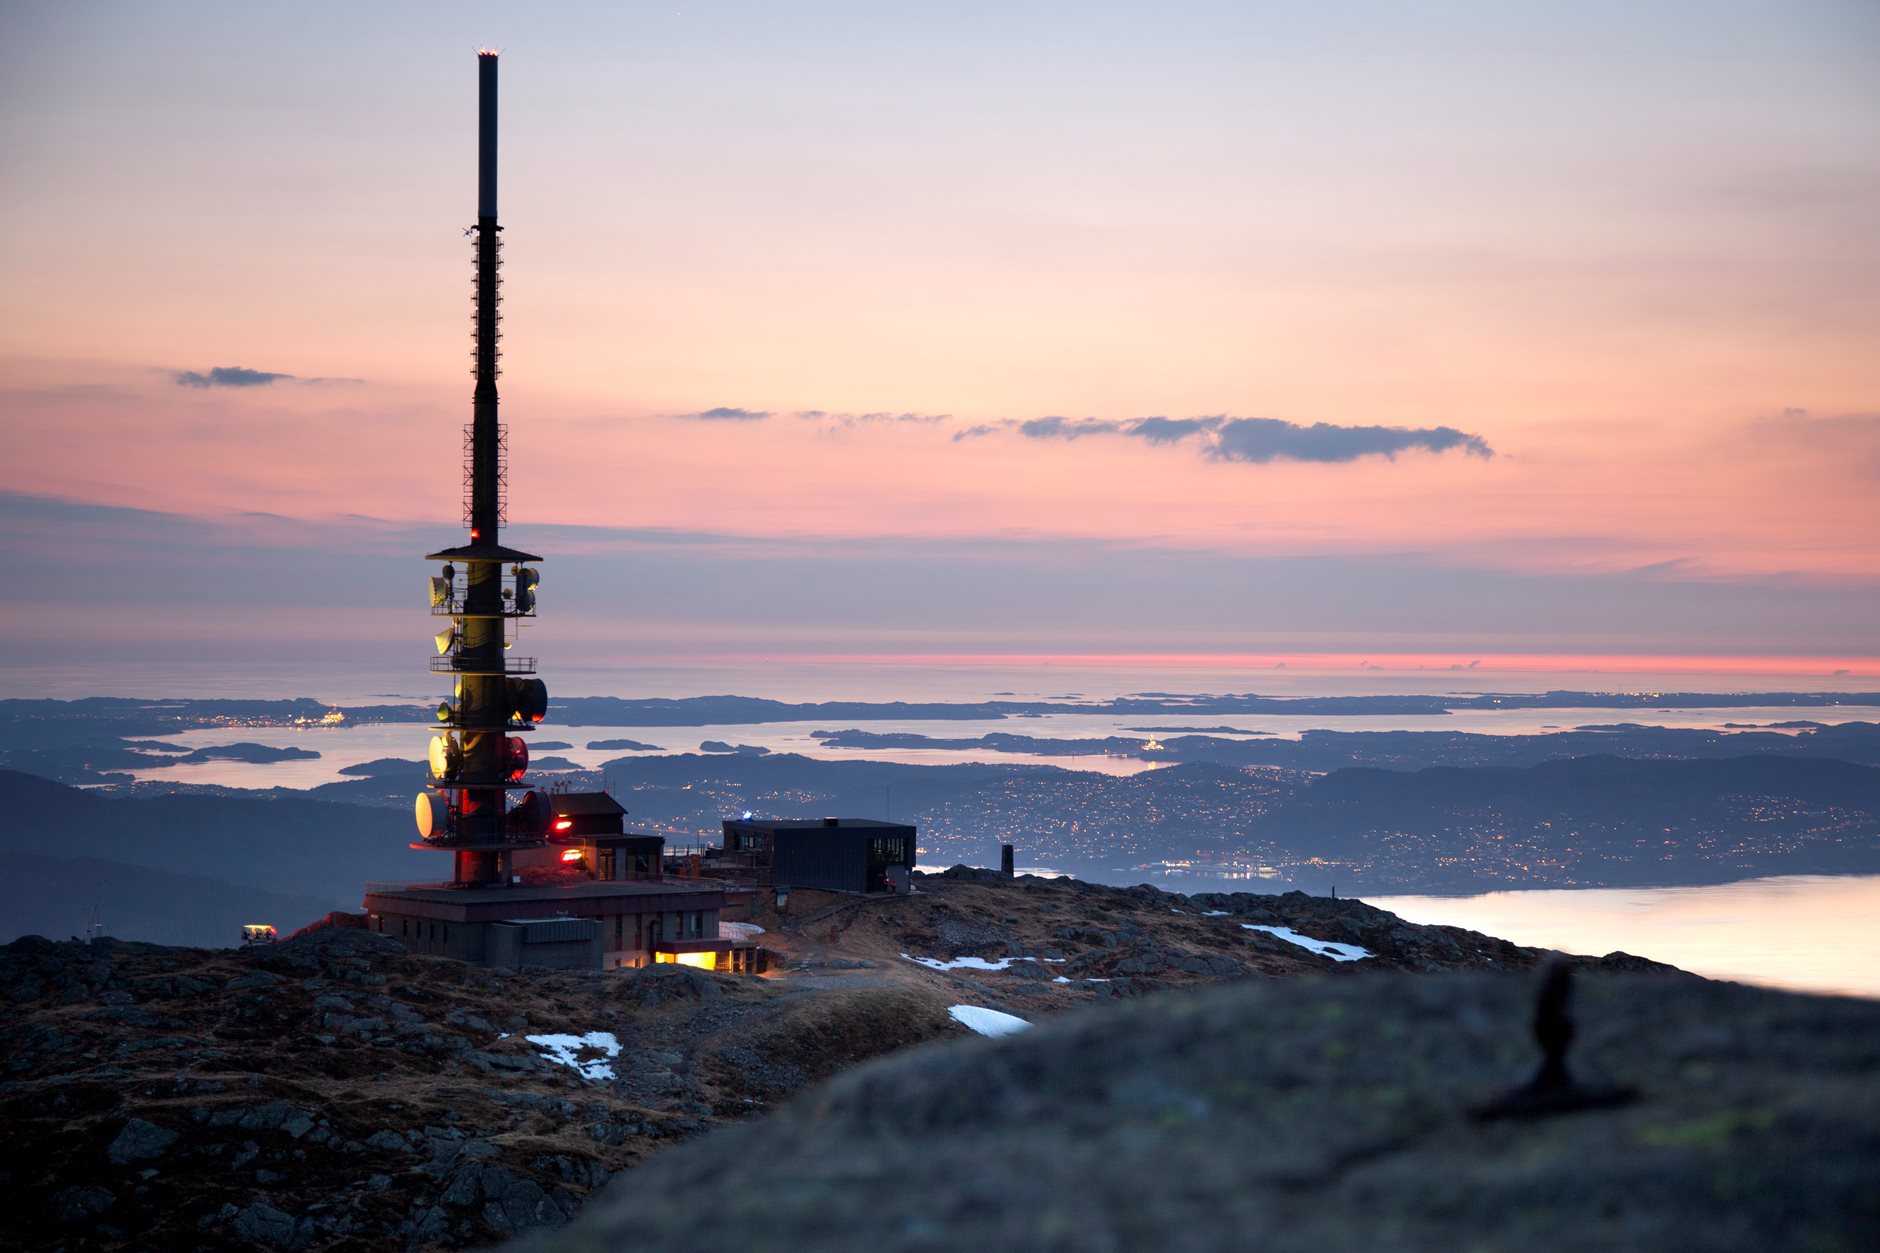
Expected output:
(140, 1141)
(1303, 1115)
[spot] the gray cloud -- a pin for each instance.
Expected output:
(983, 428)
(241, 376)
(1169, 430)
(1257, 440)
(1270, 439)
(227, 376)
(869, 419)
(727, 413)
(1066, 428)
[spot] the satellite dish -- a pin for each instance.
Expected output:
(531, 814)
(528, 699)
(445, 639)
(443, 711)
(446, 756)
(515, 757)
(442, 592)
(433, 814)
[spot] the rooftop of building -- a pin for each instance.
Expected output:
(584, 804)
(609, 839)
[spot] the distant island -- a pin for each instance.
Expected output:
(1321, 750)
(623, 746)
(158, 754)
(1197, 731)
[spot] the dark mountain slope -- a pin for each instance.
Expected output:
(291, 844)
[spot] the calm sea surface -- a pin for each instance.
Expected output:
(1809, 933)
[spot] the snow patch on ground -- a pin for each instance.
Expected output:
(1215, 913)
(986, 1021)
(1324, 948)
(566, 1050)
(739, 931)
(977, 963)
(963, 963)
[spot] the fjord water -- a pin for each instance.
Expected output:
(1806, 933)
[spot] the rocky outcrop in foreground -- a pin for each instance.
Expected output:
(1308, 1115)
(334, 1092)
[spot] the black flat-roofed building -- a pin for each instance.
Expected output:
(837, 854)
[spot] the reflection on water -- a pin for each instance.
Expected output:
(1813, 933)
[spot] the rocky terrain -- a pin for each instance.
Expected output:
(1307, 1115)
(334, 1092)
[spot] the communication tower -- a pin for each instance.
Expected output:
(478, 806)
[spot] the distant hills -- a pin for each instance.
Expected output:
(1589, 821)
(1596, 820)
(157, 860)
(59, 897)
(1323, 750)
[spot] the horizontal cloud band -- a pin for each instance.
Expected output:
(227, 376)
(1255, 439)
(242, 376)
(733, 413)
(727, 413)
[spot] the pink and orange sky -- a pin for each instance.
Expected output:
(1541, 331)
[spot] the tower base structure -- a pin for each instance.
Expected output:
(585, 926)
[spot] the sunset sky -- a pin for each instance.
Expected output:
(1427, 331)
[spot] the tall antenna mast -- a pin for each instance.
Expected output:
(478, 760)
